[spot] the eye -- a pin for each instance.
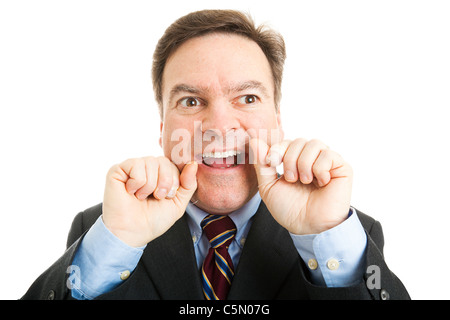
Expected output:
(248, 99)
(189, 102)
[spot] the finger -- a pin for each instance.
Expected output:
(266, 175)
(175, 182)
(276, 153)
(322, 166)
(151, 171)
(165, 178)
(188, 182)
(307, 158)
(290, 159)
(135, 170)
(330, 165)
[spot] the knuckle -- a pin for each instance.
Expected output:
(115, 168)
(163, 159)
(325, 155)
(315, 141)
(164, 181)
(150, 165)
(163, 162)
(149, 161)
(140, 180)
(300, 141)
(348, 168)
(132, 161)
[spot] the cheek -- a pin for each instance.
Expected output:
(265, 128)
(177, 144)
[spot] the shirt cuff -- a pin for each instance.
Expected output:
(335, 258)
(102, 262)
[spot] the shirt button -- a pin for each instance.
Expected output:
(333, 264)
(312, 264)
(194, 238)
(124, 275)
(242, 242)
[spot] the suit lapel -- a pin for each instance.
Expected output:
(170, 261)
(267, 258)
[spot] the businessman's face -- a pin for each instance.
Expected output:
(218, 91)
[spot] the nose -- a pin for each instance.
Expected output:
(219, 119)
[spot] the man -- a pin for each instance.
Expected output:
(217, 82)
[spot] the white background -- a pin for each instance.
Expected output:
(369, 78)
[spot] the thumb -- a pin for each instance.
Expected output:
(188, 181)
(266, 174)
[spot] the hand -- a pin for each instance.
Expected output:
(313, 194)
(144, 197)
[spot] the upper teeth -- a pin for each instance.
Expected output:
(225, 154)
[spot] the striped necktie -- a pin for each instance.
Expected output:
(217, 269)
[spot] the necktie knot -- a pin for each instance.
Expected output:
(220, 230)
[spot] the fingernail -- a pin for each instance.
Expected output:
(304, 178)
(160, 193)
(172, 192)
(273, 158)
(141, 196)
(289, 175)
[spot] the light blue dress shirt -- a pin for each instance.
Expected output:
(102, 257)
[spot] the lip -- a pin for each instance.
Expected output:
(214, 170)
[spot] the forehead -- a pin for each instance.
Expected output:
(217, 59)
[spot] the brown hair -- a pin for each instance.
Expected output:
(199, 23)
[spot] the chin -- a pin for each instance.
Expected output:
(220, 199)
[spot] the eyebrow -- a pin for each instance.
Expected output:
(232, 88)
(247, 85)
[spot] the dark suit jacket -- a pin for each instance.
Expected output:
(269, 267)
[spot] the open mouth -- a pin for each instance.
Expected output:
(223, 160)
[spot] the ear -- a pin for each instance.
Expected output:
(160, 133)
(280, 127)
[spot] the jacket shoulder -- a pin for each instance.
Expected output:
(52, 284)
(373, 228)
(82, 222)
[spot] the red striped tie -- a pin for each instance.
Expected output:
(217, 269)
